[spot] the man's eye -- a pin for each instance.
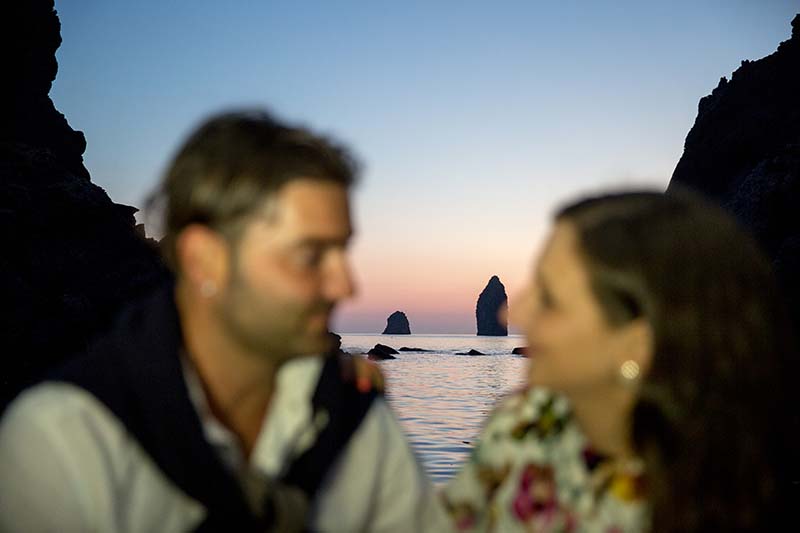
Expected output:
(309, 257)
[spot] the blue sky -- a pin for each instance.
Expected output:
(472, 120)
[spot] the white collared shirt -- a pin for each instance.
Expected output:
(68, 464)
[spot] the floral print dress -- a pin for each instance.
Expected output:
(533, 470)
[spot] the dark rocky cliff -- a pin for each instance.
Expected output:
(491, 301)
(71, 257)
(743, 152)
(397, 324)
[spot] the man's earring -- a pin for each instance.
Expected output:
(208, 288)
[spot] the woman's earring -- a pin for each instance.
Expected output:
(629, 372)
(208, 288)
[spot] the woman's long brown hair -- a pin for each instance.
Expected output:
(714, 419)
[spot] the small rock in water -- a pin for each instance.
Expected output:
(384, 348)
(521, 350)
(381, 352)
(471, 352)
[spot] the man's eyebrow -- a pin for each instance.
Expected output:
(325, 241)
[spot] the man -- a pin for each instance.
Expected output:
(208, 405)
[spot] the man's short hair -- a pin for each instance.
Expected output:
(234, 161)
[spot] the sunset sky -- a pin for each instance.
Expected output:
(472, 120)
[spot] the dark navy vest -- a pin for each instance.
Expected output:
(135, 371)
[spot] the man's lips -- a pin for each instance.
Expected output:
(319, 320)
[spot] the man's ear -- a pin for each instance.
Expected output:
(202, 256)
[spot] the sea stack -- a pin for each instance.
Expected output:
(397, 324)
(72, 257)
(491, 301)
(743, 153)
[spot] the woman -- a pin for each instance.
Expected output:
(655, 401)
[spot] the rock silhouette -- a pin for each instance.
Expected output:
(72, 256)
(336, 343)
(381, 352)
(471, 352)
(743, 152)
(491, 301)
(397, 324)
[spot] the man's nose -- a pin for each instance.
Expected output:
(339, 283)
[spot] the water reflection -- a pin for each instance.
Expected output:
(442, 401)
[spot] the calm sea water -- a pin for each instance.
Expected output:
(441, 398)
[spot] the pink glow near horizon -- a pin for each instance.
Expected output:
(437, 291)
(467, 144)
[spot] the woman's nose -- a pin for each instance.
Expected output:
(519, 308)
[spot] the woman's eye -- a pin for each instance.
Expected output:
(546, 299)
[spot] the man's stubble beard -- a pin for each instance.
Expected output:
(272, 333)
